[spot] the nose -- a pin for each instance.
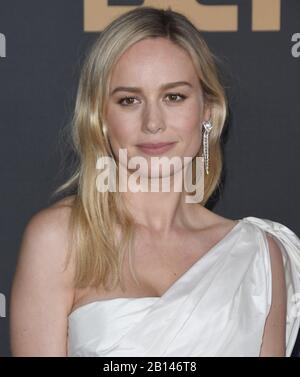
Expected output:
(153, 120)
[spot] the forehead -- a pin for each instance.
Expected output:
(155, 60)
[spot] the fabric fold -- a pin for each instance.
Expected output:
(289, 244)
(218, 307)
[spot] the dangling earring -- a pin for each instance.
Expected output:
(207, 128)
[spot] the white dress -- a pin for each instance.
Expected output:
(216, 308)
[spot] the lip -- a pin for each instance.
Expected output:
(155, 148)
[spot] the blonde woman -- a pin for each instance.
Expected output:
(149, 273)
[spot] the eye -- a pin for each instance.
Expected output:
(127, 101)
(172, 95)
(121, 101)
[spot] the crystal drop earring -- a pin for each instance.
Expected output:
(207, 128)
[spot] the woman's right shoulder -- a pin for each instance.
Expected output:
(43, 291)
(47, 234)
(53, 218)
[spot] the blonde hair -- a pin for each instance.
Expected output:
(95, 215)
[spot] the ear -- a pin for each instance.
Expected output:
(206, 112)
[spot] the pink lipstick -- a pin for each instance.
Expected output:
(155, 148)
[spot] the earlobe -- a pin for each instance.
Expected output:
(206, 112)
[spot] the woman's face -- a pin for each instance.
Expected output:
(153, 113)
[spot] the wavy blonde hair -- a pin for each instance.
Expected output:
(95, 215)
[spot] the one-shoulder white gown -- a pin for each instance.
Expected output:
(216, 308)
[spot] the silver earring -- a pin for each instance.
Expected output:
(207, 128)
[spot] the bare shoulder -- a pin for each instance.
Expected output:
(42, 291)
(48, 229)
(274, 341)
(212, 220)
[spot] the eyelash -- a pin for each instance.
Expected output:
(169, 94)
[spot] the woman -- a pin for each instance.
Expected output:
(149, 273)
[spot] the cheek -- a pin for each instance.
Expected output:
(191, 131)
(192, 138)
(120, 130)
(120, 134)
(189, 117)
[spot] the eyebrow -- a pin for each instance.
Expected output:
(134, 89)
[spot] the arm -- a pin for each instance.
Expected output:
(42, 293)
(274, 333)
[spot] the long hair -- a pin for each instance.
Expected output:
(96, 216)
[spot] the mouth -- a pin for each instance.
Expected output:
(155, 148)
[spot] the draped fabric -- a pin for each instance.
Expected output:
(218, 307)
